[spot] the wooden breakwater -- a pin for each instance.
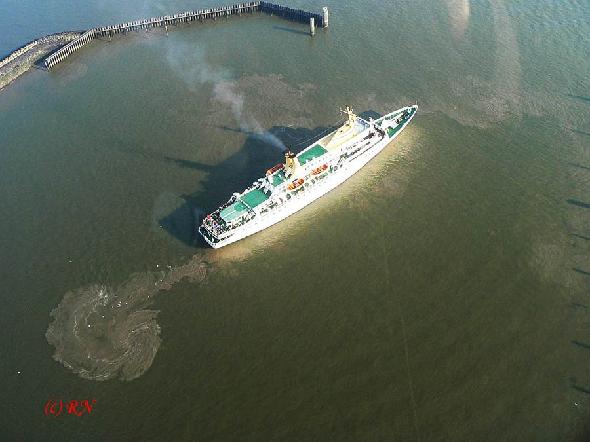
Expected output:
(185, 17)
(295, 14)
(40, 41)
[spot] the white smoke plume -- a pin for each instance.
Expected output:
(225, 92)
(189, 63)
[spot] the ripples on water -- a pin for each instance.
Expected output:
(103, 332)
(100, 332)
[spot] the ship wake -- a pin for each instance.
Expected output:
(102, 333)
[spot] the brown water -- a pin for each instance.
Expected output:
(440, 294)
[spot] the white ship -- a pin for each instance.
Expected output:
(303, 178)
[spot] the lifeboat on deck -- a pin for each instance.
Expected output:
(320, 169)
(275, 168)
(295, 184)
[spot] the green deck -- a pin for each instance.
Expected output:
(393, 130)
(278, 178)
(240, 207)
(314, 152)
(254, 198)
(232, 212)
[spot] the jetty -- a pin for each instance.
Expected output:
(298, 15)
(30, 54)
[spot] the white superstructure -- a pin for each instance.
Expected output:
(304, 177)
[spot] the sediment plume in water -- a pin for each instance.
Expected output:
(103, 333)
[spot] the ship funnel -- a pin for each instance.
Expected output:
(289, 163)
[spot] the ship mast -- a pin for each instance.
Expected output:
(289, 163)
(351, 116)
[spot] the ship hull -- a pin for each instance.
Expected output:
(300, 201)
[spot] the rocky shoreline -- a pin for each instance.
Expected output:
(22, 59)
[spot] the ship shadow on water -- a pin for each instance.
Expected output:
(576, 165)
(234, 174)
(578, 203)
(580, 271)
(579, 97)
(291, 30)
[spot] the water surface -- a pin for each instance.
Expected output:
(440, 294)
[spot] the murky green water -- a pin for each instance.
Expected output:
(440, 294)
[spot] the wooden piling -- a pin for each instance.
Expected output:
(184, 17)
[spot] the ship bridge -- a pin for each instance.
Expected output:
(347, 132)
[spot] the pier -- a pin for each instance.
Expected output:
(298, 15)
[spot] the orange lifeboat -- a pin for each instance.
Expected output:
(295, 184)
(275, 168)
(320, 169)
